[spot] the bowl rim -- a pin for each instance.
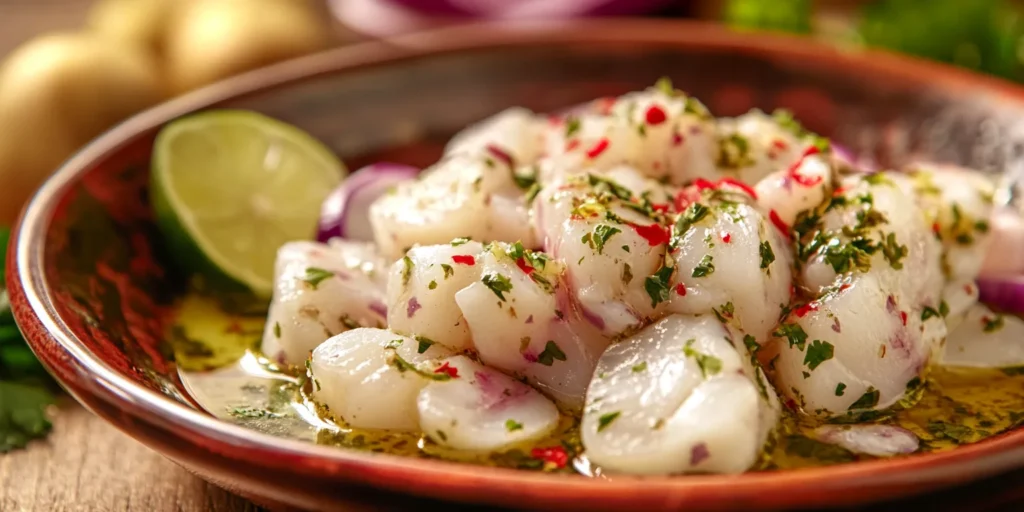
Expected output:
(999, 453)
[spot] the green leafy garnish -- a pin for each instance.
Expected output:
(794, 334)
(448, 270)
(709, 365)
(424, 344)
(928, 312)
(460, 241)
(866, 401)
(550, 354)
(513, 425)
(607, 419)
(497, 283)
(767, 254)
(314, 276)
(637, 368)
(601, 235)
(657, 285)
(705, 267)
(840, 389)
(407, 271)
(818, 352)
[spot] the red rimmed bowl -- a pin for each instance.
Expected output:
(91, 290)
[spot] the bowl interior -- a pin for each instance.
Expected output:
(114, 287)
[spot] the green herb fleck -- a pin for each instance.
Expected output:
(627, 273)
(513, 425)
(767, 255)
(607, 419)
(992, 324)
(601, 235)
(424, 344)
(572, 126)
(637, 368)
(277, 329)
(818, 352)
(448, 270)
(709, 365)
(657, 285)
(314, 276)
(840, 389)
(704, 268)
(866, 401)
(550, 354)
(460, 241)
(497, 283)
(928, 312)
(407, 271)
(794, 334)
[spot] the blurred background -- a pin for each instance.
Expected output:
(70, 69)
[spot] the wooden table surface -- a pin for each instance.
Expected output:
(87, 466)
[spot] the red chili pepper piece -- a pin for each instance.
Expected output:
(780, 144)
(681, 290)
(936, 228)
(521, 263)
(661, 207)
(903, 317)
(799, 178)
(726, 237)
(806, 308)
(500, 154)
(782, 226)
(598, 148)
(554, 455)
(655, 115)
(703, 184)
(740, 185)
(655, 234)
(677, 139)
(465, 259)
(450, 371)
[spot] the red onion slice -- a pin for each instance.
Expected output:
(1004, 294)
(345, 212)
(876, 440)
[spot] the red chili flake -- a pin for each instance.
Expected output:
(655, 115)
(726, 237)
(800, 178)
(780, 144)
(521, 263)
(554, 455)
(572, 144)
(604, 105)
(843, 287)
(806, 308)
(969, 289)
(703, 184)
(738, 184)
(598, 148)
(903, 317)
(838, 191)
(677, 139)
(655, 234)
(936, 228)
(448, 370)
(774, 217)
(681, 290)
(500, 154)
(465, 259)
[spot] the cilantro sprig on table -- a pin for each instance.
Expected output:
(24, 386)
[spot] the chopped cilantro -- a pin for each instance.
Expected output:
(572, 126)
(928, 312)
(751, 343)
(705, 267)
(314, 276)
(432, 285)
(952, 431)
(866, 401)
(794, 334)
(943, 309)
(818, 352)
(277, 329)
(657, 285)
(253, 412)
(688, 218)
(531, 194)
(709, 365)
(893, 251)
(460, 241)
(424, 344)
(513, 425)
(400, 364)
(637, 368)
(601, 235)
(767, 255)
(840, 389)
(664, 85)
(627, 273)
(497, 283)
(733, 151)
(602, 183)
(525, 181)
(448, 270)
(550, 354)
(607, 419)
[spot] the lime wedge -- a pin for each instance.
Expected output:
(229, 187)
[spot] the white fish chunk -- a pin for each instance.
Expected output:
(371, 378)
(483, 410)
(421, 292)
(321, 290)
(680, 396)
(517, 131)
(985, 339)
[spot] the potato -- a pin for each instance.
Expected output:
(57, 92)
(214, 39)
(141, 22)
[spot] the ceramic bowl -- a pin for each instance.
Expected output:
(91, 288)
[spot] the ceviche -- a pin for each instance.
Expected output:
(635, 286)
